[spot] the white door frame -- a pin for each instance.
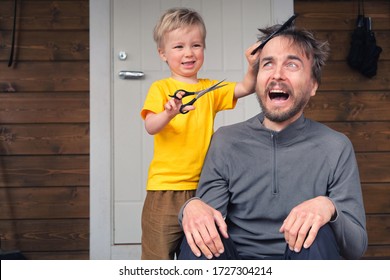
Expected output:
(101, 162)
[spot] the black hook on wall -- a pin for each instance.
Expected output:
(11, 57)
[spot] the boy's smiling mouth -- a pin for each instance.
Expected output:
(189, 64)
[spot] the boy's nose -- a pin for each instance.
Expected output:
(188, 52)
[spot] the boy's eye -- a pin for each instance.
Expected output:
(178, 47)
(197, 45)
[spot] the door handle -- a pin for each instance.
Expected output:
(131, 75)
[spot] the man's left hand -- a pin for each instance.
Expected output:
(301, 226)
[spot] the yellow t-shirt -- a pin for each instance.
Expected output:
(180, 148)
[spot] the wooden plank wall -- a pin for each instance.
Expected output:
(355, 105)
(44, 129)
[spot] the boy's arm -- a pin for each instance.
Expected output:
(248, 84)
(154, 123)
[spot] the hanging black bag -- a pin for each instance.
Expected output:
(364, 53)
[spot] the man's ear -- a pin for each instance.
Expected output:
(314, 89)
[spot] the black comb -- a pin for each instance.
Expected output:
(285, 25)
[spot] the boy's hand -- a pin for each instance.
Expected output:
(172, 107)
(248, 84)
(253, 60)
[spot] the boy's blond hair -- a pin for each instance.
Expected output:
(177, 18)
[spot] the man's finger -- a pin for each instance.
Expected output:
(311, 236)
(221, 224)
(203, 243)
(192, 244)
(301, 235)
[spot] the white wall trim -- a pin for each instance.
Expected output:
(100, 130)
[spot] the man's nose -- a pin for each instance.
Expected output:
(278, 73)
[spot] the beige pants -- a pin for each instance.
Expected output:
(161, 232)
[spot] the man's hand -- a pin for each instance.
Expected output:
(200, 223)
(304, 221)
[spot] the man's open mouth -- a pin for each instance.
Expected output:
(278, 95)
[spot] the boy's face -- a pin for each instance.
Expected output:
(183, 50)
(284, 82)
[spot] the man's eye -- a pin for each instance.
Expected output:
(267, 64)
(292, 65)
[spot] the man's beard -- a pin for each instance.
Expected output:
(279, 116)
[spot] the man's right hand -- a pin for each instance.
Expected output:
(200, 223)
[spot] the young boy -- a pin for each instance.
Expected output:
(181, 140)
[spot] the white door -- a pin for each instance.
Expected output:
(231, 28)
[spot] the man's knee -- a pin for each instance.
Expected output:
(185, 252)
(230, 251)
(324, 247)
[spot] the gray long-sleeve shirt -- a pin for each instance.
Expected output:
(255, 176)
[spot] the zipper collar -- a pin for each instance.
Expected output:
(288, 134)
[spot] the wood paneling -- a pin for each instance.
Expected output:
(42, 107)
(355, 105)
(30, 171)
(59, 15)
(377, 225)
(366, 136)
(338, 76)
(52, 76)
(59, 255)
(44, 139)
(47, 46)
(374, 167)
(44, 129)
(333, 106)
(46, 235)
(376, 198)
(342, 42)
(47, 202)
(337, 15)
(377, 252)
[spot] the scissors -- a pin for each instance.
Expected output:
(285, 25)
(197, 94)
